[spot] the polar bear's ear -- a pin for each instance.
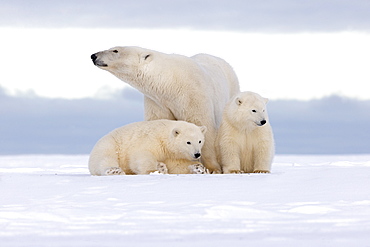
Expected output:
(203, 129)
(146, 56)
(265, 100)
(238, 101)
(175, 132)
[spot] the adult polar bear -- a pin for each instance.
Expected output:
(193, 89)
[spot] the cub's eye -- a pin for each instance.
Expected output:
(115, 51)
(254, 111)
(200, 141)
(188, 143)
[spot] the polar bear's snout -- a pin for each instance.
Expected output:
(260, 123)
(197, 155)
(94, 57)
(97, 62)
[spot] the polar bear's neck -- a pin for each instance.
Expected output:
(158, 86)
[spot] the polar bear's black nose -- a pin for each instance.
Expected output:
(263, 122)
(93, 57)
(197, 155)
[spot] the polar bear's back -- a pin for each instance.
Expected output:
(223, 82)
(150, 133)
(216, 65)
(142, 129)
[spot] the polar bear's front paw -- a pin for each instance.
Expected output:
(261, 171)
(162, 168)
(198, 169)
(114, 171)
(235, 172)
(218, 171)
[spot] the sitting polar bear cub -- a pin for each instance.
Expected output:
(175, 87)
(245, 138)
(144, 147)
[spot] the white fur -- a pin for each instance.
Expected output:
(193, 89)
(244, 145)
(144, 147)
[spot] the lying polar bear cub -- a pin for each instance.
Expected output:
(141, 148)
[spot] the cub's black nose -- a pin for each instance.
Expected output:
(197, 155)
(93, 57)
(263, 122)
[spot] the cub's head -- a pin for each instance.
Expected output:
(122, 60)
(248, 110)
(187, 140)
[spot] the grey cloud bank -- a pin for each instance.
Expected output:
(238, 15)
(35, 125)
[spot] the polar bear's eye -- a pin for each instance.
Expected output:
(200, 141)
(115, 51)
(254, 111)
(188, 143)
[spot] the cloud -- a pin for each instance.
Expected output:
(62, 126)
(241, 15)
(36, 125)
(332, 125)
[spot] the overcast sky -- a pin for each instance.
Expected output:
(54, 100)
(283, 49)
(239, 15)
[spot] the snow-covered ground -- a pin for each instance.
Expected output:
(51, 200)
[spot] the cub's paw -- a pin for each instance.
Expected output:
(261, 171)
(162, 168)
(114, 171)
(198, 169)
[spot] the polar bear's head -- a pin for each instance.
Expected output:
(248, 110)
(186, 140)
(122, 61)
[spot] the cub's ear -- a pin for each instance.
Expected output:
(175, 132)
(203, 129)
(265, 100)
(238, 101)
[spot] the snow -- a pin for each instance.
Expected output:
(51, 200)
